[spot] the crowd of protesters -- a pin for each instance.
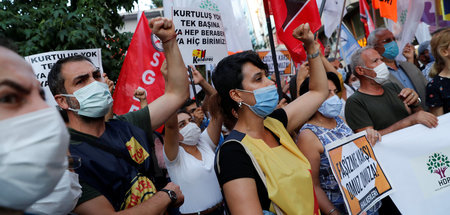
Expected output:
(239, 149)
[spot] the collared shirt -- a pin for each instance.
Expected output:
(402, 77)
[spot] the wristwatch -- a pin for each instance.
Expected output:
(312, 56)
(171, 193)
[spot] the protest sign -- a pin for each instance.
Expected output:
(283, 58)
(416, 160)
(43, 62)
(201, 36)
(360, 177)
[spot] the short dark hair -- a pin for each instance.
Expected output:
(228, 76)
(8, 43)
(55, 79)
(304, 88)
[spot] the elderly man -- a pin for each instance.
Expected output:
(404, 74)
(34, 140)
(385, 108)
(116, 171)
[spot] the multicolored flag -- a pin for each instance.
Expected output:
(289, 14)
(445, 9)
(141, 69)
(365, 17)
(348, 44)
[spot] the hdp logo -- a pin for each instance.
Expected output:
(438, 163)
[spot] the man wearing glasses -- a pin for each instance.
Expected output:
(404, 74)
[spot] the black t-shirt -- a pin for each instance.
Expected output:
(235, 163)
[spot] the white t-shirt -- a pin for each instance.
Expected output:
(196, 178)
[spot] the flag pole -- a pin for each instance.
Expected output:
(272, 49)
(339, 30)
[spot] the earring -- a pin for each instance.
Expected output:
(240, 104)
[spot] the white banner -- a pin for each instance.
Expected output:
(233, 17)
(43, 62)
(416, 159)
(201, 37)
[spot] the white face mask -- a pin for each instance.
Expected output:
(95, 100)
(62, 200)
(382, 73)
(32, 157)
(191, 134)
(356, 84)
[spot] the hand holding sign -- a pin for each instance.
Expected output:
(163, 28)
(196, 75)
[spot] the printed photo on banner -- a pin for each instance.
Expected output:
(201, 36)
(43, 62)
(360, 176)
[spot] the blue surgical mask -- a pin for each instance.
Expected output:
(94, 99)
(331, 107)
(390, 50)
(266, 100)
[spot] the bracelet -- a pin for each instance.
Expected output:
(312, 56)
(331, 211)
(171, 38)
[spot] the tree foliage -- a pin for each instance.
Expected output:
(54, 25)
(158, 3)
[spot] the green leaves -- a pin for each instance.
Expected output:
(50, 25)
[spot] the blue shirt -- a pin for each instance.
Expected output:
(402, 77)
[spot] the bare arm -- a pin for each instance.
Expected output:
(198, 79)
(420, 117)
(156, 205)
(177, 84)
(171, 138)
(311, 147)
(437, 111)
(242, 196)
(302, 73)
(215, 125)
(318, 85)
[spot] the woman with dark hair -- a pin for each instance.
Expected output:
(259, 167)
(324, 127)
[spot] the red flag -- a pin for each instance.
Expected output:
(288, 14)
(141, 69)
(365, 17)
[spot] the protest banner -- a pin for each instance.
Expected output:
(284, 61)
(43, 62)
(201, 36)
(360, 177)
(233, 16)
(140, 69)
(416, 160)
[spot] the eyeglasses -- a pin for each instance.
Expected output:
(74, 161)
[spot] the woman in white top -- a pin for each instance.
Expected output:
(189, 157)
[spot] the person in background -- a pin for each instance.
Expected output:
(382, 105)
(324, 127)
(404, 74)
(438, 89)
(189, 158)
(251, 182)
(33, 136)
(426, 58)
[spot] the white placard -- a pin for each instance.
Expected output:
(201, 36)
(43, 62)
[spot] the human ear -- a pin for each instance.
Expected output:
(235, 95)
(62, 101)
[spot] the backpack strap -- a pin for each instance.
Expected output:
(255, 164)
